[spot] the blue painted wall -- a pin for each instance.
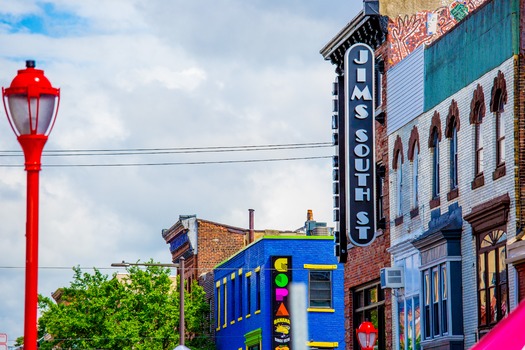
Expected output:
(323, 326)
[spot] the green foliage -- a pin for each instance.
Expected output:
(139, 312)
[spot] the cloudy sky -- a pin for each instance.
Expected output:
(160, 84)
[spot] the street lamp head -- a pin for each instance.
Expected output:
(366, 335)
(31, 103)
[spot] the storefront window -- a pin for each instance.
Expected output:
(409, 311)
(492, 278)
(369, 304)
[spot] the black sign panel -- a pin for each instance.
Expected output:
(360, 144)
(280, 318)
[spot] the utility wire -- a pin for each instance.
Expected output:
(93, 165)
(172, 150)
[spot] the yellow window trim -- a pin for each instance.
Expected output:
(320, 267)
(257, 269)
(323, 344)
(248, 274)
(257, 312)
(224, 280)
(232, 322)
(218, 284)
(240, 272)
(248, 316)
(314, 309)
(239, 319)
(218, 306)
(218, 329)
(233, 276)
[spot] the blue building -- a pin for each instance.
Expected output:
(253, 294)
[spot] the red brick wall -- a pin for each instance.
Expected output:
(364, 263)
(216, 243)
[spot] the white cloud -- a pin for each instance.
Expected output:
(152, 73)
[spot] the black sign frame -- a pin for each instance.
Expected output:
(360, 165)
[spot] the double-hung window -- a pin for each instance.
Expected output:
(218, 301)
(451, 133)
(435, 164)
(320, 289)
(233, 299)
(241, 296)
(258, 290)
(415, 177)
(453, 158)
(497, 106)
(248, 294)
(477, 114)
(479, 161)
(413, 157)
(399, 188)
(435, 301)
(397, 165)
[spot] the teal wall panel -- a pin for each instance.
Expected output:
(480, 43)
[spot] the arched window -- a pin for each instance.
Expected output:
(397, 165)
(492, 277)
(479, 161)
(433, 144)
(435, 164)
(415, 177)
(399, 188)
(477, 113)
(413, 156)
(454, 159)
(451, 132)
(497, 106)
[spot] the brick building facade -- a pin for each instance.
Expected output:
(454, 170)
(203, 244)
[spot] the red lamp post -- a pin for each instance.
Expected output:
(366, 335)
(31, 105)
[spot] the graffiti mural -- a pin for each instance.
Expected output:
(281, 324)
(406, 33)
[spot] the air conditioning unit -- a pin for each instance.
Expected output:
(392, 277)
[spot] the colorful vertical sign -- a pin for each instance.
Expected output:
(360, 166)
(281, 322)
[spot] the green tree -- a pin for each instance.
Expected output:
(139, 312)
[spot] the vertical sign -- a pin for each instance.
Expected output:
(360, 145)
(281, 279)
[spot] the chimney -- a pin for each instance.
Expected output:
(309, 215)
(250, 237)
